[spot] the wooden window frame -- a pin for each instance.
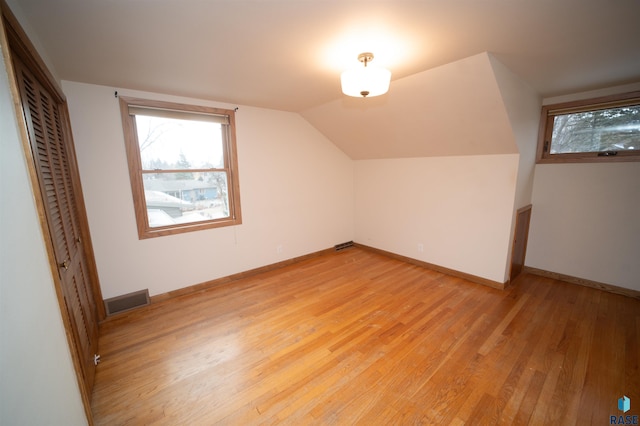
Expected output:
(546, 129)
(136, 170)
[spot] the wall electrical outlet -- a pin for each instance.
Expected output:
(420, 247)
(279, 248)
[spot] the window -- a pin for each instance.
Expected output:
(182, 165)
(603, 129)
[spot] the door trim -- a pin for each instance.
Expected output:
(14, 40)
(520, 213)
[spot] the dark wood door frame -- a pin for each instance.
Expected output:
(16, 45)
(520, 239)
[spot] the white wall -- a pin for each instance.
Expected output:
(38, 385)
(585, 217)
(522, 105)
(459, 208)
(585, 222)
(296, 191)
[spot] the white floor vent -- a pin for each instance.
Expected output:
(127, 302)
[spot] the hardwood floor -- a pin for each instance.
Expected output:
(358, 338)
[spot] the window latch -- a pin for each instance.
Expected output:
(607, 153)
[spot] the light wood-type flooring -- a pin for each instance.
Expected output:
(355, 337)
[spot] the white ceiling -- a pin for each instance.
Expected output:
(288, 54)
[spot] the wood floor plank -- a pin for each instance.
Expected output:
(355, 337)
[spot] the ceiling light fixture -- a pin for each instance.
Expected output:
(367, 81)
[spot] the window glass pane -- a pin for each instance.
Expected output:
(173, 144)
(615, 129)
(175, 198)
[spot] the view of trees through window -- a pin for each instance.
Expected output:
(614, 129)
(183, 170)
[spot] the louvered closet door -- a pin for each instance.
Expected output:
(47, 131)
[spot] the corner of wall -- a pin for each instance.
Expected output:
(16, 9)
(522, 105)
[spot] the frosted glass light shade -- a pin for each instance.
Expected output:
(365, 82)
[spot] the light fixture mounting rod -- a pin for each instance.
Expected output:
(365, 58)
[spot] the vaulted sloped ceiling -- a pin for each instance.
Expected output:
(288, 55)
(455, 109)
